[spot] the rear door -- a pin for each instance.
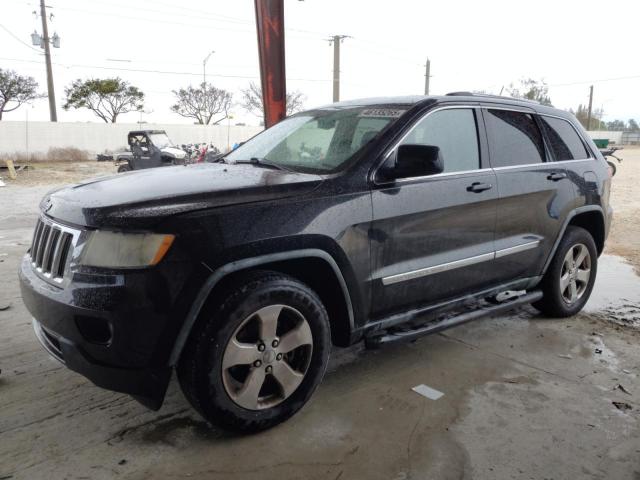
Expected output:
(535, 194)
(432, 236)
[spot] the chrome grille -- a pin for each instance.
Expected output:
(50, 249)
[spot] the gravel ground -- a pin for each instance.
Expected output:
(624, 238)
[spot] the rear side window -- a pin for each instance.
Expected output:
(563, 139)
(454, 131)
(514, 138)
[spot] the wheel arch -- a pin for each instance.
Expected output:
(301, 264)
(589, 217)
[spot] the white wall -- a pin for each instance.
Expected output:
(98, 137)
(613, 137)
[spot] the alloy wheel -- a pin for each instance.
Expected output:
(575, 273)
(267, 357)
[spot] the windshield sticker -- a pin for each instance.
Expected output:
(381, 113)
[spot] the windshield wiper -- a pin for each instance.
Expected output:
(263, 162)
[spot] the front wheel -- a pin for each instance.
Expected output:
(255, 359)
(124, 168)
(569, 280)
(614, 169)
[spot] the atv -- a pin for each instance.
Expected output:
(149, 149)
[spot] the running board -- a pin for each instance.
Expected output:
(375, 341)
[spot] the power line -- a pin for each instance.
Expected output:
(582, 82)
(18, 39)
(164, 72)
(214, 18)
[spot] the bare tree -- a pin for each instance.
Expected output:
(107, 98)
(203, 104)
(582, 114)
(252, 100)
(531, 89)
(17, 90)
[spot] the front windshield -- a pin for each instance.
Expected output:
(317, 140)
(160, 140)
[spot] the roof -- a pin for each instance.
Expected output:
(142, 132)
(450, 97)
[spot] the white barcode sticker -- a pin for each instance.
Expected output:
(381, 113)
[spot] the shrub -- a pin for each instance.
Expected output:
(67, 154)
(55, 154)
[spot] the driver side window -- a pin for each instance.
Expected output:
(455, 133)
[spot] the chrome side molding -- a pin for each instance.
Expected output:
(464, 262)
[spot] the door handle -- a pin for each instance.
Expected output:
(556, 176)
(478, 187)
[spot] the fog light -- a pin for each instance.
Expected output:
(94, 330)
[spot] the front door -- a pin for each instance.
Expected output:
(432, 237)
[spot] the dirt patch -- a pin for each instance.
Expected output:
(624, 238)
(58, 173)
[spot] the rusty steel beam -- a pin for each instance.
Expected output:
(270, 27)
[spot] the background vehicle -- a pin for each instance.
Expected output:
(381, 219)
(149, 149)
(608, 151)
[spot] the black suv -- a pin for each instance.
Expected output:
(380, 219)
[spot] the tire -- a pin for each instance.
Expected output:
(566, 286)
(614, 169)
(225, 358)
(124, 168)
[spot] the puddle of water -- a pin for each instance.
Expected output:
(616, 294)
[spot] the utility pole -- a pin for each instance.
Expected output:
(336, 40)
(204, 68)
(590, 106)
(47, 56)
(427, 76)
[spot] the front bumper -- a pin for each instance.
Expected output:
(148, 386)
(132, 359)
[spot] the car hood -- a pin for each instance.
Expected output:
(142, 198)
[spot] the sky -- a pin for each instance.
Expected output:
(159, 46)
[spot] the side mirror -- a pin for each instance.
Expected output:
(417, 161)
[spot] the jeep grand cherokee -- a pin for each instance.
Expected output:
(379, 219)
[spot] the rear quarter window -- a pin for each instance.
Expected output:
(564, 141)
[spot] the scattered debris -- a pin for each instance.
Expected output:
(628, 372)
(12, 171)
(428, 392)
(567, 356)
(122, 462)
(622, 406)
(622, 389)
(598, 351)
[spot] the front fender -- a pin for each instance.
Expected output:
(243, 264)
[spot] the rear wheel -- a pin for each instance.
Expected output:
(254, 360)
(569, 280)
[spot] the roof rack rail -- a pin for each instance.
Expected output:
(488, 95)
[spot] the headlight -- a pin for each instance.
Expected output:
(124, 250)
